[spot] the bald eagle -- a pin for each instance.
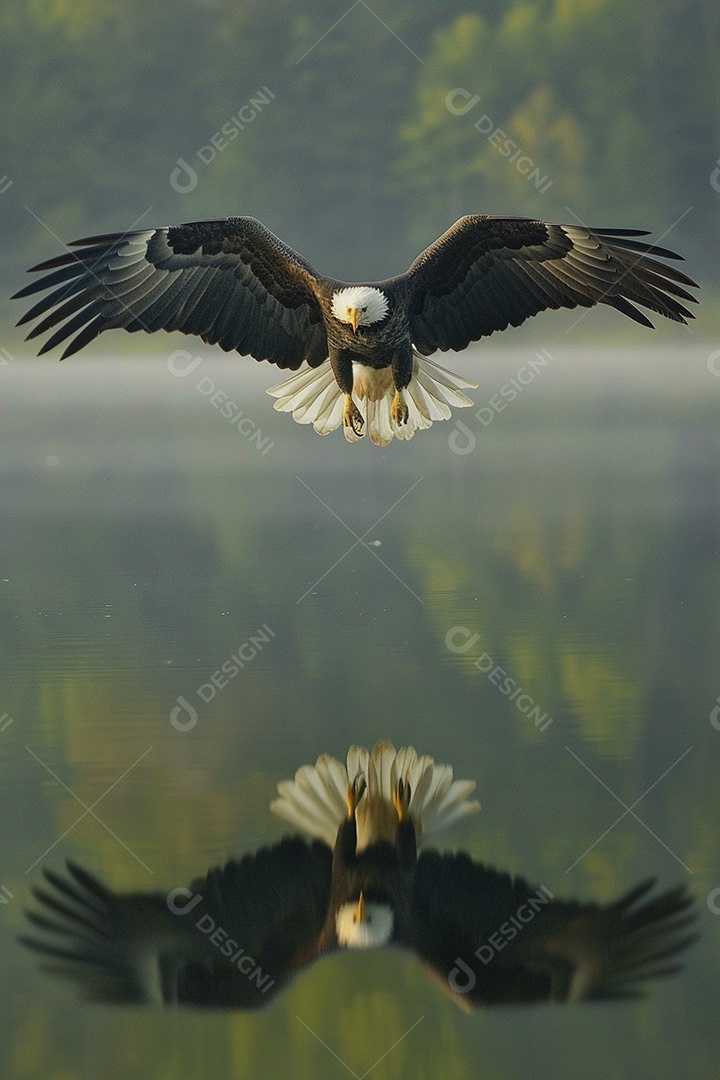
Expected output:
(359, 350)
(236, 937)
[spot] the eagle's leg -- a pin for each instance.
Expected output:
(402, 369)
(406, 844)
(405, 837)
(341, 364)
(354, 794)
(401, 799)
(399, 410)
(352, 417)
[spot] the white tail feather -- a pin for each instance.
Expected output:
(313, 396)
(315, 800)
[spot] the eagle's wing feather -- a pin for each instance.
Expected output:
(489, 938)
(231, 282)
(486, 273)
(260, 919)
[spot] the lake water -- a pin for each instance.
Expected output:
(572, 538)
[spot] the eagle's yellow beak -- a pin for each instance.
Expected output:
(355, 314)
(360, 911)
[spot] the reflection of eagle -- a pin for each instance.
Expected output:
(358, 346)
(238, 935)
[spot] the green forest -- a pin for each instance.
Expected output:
(358, 132)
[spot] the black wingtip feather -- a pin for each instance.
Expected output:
(619, 232)
(102, 238)
(87, 880)
(620, 303)
(635, 893)
(66, 259)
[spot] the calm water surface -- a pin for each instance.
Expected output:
(575, 542)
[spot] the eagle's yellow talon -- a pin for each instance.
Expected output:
(354, 794)
(352, 417)
(399, 410)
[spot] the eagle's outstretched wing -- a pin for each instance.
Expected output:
(231, 282)
(491, 939)
(259, 919)
(486, 273)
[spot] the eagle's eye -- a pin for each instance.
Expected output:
(365, 308)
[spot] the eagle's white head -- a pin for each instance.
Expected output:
(364, 925)
(359, 305)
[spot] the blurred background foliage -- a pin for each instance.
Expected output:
(357, 160)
